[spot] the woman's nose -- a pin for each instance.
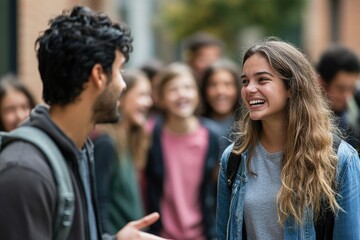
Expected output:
(251, 87)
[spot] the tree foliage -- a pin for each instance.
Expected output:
(226, 18)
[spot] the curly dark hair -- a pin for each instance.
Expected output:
(75, 41)
(337, 58)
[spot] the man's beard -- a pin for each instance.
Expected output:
(106, 109)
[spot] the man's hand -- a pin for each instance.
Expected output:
(131, 231)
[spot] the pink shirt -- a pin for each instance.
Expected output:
(184, 159)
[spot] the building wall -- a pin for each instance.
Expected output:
(318, 26)
(33, 17)
(317, 32)
(350, 20)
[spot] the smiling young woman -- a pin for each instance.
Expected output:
(285, 138)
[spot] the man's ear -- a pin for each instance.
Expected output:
(98, 76)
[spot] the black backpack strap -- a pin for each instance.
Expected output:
(324, 226)
(232, 168)
(56, 161)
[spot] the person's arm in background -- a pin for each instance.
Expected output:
(105, 156)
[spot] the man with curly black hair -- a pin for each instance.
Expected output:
(81, 56)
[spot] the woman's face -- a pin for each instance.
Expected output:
(15, 107)
(221, 93)
(136, 102)
(263, 92)
(180, 96)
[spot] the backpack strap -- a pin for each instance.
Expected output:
(324, 226)
(232, 168)
(56, 161)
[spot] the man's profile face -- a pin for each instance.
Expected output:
(340, 89)
(106, 107)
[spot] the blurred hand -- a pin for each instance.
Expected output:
(131, 231)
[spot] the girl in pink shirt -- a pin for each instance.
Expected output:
(182, 160)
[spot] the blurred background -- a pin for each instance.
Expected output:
(160, 27)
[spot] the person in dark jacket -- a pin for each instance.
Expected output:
(80, 56)
(339, 71)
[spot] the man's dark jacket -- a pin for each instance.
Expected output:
(28, 192)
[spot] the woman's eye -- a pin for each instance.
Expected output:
(244, 82)
(262, 79)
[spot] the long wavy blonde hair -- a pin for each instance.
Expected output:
(309, 164)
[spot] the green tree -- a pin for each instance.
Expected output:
(226, 18)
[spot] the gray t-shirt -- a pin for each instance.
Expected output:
(260, 213)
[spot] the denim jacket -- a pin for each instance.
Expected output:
(230, 204)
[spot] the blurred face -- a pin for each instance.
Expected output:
(106, 107)
(341, 89)
(180, 96)
(203, 58)
(15, 107)
(136, 103)
(221, 93)
(263, 93)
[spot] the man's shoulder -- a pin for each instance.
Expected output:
(27, 193)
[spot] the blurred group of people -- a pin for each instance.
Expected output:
(166, 148)
(162, 156)
(176, 120)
